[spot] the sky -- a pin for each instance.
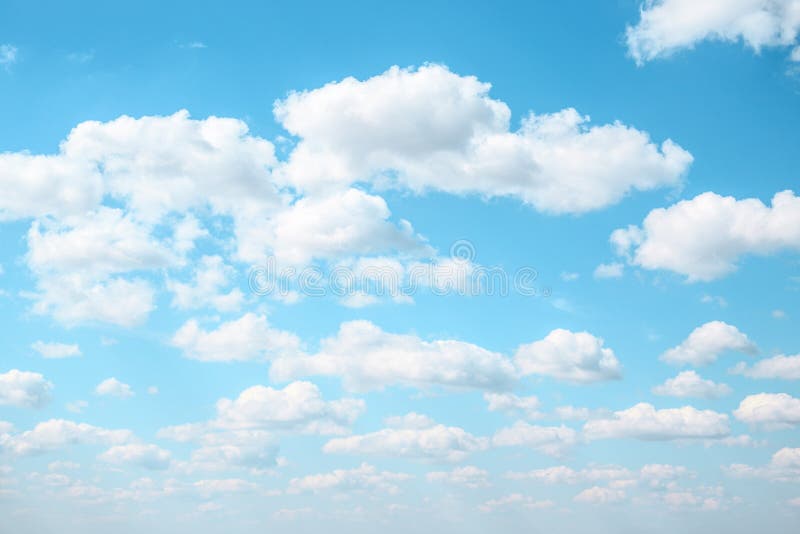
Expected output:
(515, 266)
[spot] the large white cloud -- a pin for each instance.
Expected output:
(55, 434)
(704, 238)
(644, 422)
(24, 389)
(429, 128)
(771, 410)
(779, 367)
(367, 358)
(690, 384)
(666, 26)
(248, 338)
(570, 356)
(431, 441)
(706, 342)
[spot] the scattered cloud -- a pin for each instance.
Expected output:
(111, 387)
(778, 367)
(773, 411)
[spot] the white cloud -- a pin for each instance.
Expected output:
(666, 26)
(703, 238)
(515, 500)
(771, 410)
(577, 413)
(706, 342)
(550, 440)
(599, 495)
(253, 450)
(468, 476)
(510, 403)
(114, 388)
(644, 422)
(569, 277)
(211, 275)
(784, 466)
(436, 442)
(334, 226)
(778, 314)
(298, 407)
(572, 357)
(137, 454)
(8, 55)
(24, 389)
(429, 128)
(248, 338)
(690, 384)
(77, 406)
(609, 270)
(363, 478)
(778, 367)
(368, 358)
(56, 350)
(55, 434)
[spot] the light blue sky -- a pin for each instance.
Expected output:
(693, 131)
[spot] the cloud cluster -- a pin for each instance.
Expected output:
(770, 410)
(778, 367)
(690, 384)
(573, 357)
(431, 129)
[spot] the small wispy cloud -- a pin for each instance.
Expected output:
(8, 55)
(194, 45)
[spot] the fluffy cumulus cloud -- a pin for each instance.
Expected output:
(704, 238)
(690, 384)
(139, 455)
(576, 357)
(707, 342)
(55, 434)
(111, 387)
(56, 350)
(666, 26)
(431, 129)
(248, 338)
(550, 440)
(770, 410)
(366, 357)
(778, 367)
(24, 389)
(297, 408)
(363, 478)
(643, 421)
(429, 441)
